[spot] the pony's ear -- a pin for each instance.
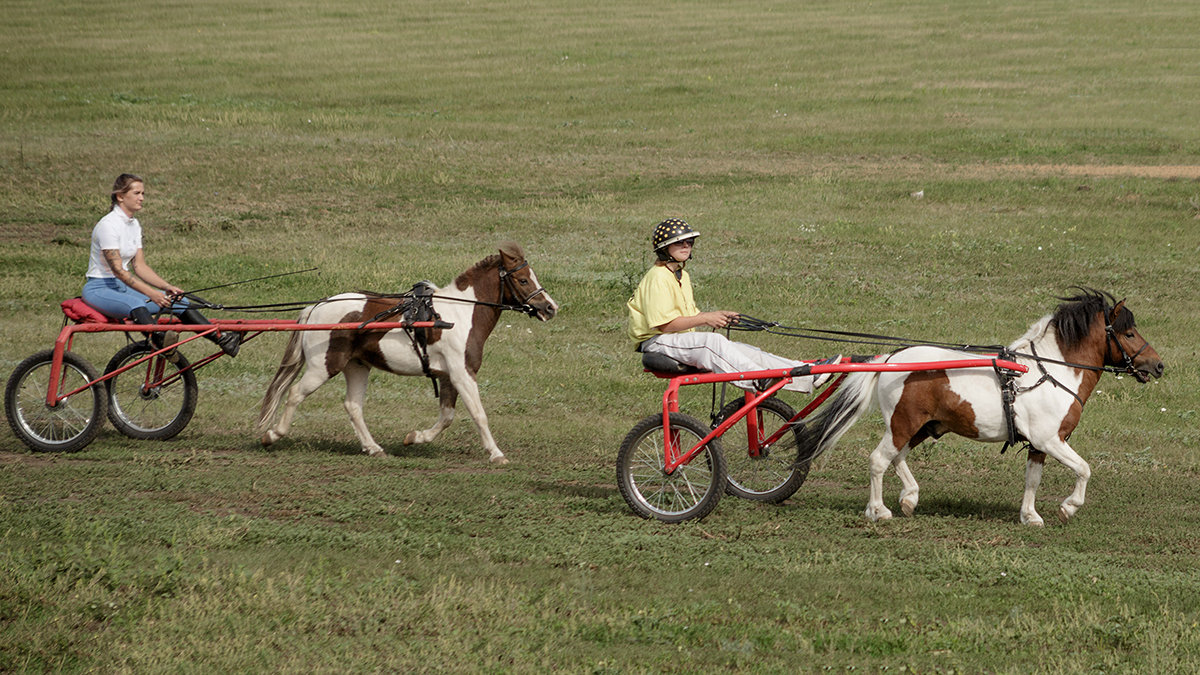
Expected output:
(1116, 311)
(512, 250)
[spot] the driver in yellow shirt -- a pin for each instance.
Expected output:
(663, 316)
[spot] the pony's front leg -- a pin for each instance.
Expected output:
(1033, 478)
(1071, 459)
(447, 398)
(357, 375)
(880, 460)
(464, 382)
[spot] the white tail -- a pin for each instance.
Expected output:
(289, 369)
(841, 412)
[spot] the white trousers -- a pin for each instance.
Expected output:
(715, 352)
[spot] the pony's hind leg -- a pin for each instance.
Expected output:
(882, 457)
(909, 490)
(447, 398)
(307, 384)
(1033, 478)
(357, 375)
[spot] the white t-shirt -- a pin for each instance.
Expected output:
(114, 231)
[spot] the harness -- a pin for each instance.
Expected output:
(1007, 379)
(1009, 392)
(416, 304)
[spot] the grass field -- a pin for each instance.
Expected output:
(1051, 144)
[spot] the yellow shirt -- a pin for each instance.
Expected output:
(659, 299)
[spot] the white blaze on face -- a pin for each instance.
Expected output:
(553, 306)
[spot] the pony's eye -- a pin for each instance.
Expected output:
(1129, 335)
(523, 281)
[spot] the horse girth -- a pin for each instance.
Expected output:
(415, 305)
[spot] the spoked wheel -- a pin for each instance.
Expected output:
(757, 471)
(154, 400)
(67, 426)
(691, 491)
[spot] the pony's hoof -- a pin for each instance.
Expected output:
(877, 514)
(907, 508)
(1063, 515)
(410, 438)
(499, 460)
(268, 438)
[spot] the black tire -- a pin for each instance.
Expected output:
(691, 491)
(153, 401)
(777, 472)
(66, 427)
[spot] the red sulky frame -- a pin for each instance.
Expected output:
(250, 327)
(673, 458)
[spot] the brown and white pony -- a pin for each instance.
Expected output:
(1066, 353)
(472, 303)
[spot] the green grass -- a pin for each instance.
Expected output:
(387, 143)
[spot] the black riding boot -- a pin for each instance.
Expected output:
(228, 342)
(141, 315)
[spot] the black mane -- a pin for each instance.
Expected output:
(1073, 318)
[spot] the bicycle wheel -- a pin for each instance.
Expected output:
(151, 401)
(691, 491)
(67, 426)
(776, 472)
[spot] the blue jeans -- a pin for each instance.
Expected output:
(116, 300)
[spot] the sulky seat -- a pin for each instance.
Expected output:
(663, 365)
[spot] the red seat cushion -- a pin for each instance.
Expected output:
(80, 312)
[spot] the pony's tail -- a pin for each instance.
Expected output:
(289, 369)
(836, 416)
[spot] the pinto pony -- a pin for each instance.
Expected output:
(1066, 352)
(472, 302)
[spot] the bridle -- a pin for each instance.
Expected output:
(510, 285)
(1111, 336)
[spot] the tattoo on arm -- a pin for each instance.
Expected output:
(113, 258)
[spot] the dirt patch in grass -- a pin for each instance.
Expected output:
(46, 233)
(913, 165)
(26, 459)
(1184, 172)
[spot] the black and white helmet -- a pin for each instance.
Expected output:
(668, 232)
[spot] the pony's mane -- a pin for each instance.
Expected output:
(1073, 318)
(1035, 333)
(511, 248)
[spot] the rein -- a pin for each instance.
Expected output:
(751, 324)
(522, 304)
